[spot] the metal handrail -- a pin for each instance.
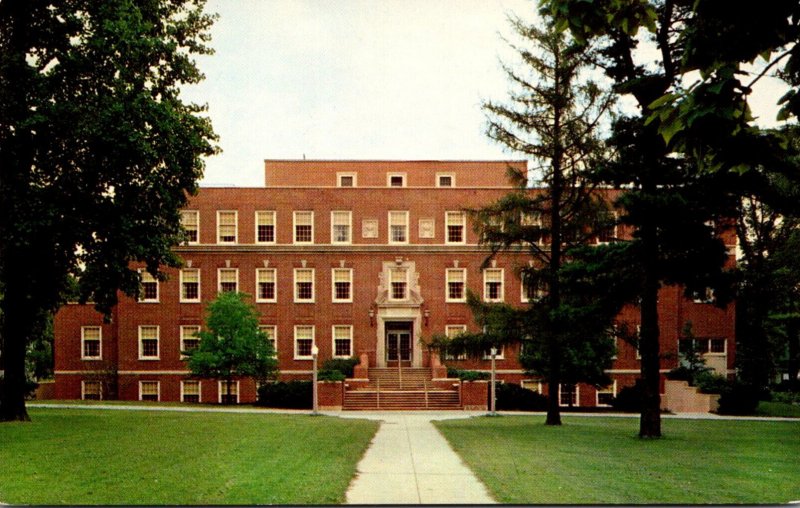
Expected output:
(378, 395)
(425, 388)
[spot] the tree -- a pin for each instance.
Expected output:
(553, 116)
(98, 151)
(700, 135)
(232, 345)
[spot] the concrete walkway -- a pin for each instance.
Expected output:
(409, 462)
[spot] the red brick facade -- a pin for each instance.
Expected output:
(366, 265)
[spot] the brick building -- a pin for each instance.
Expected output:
(361, 258)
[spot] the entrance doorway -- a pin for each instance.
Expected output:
(399, 343)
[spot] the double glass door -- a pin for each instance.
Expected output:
(398, 345)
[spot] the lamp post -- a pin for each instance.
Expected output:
(314, 354)
(493, 352)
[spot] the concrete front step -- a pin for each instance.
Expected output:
(362, 400)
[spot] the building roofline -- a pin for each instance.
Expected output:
(395, 160)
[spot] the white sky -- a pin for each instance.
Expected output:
(355, 79)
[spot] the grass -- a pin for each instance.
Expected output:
(778, 409)
(145, 457)
(601, 460)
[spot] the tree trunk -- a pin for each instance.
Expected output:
(15, 330)
(650, 421)
(553, 409)
(793, 363)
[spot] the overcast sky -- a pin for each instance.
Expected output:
(353, 79)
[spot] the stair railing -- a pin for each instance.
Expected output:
(400, 373)
(378, 395)
(425, 389)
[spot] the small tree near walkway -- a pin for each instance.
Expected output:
(232, 345)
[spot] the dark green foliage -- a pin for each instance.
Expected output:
(343, 365)
(739, 399)
(98, 151)
(708, 382)
(468, 375)
(330, 375)
(513, 397)
(286, 394)
(629, 399)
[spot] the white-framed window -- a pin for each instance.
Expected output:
(705, 295)
(266, 285)
(341, 227)
(91, 343)
(703, 345)
(456, 285)
(604, 396)
(149, 293)
(568, 395)
(347, 179)
(501, 354)
(271, 331)
(225, 396)
(227, 226)
(265, 226)
(190, 341)
(445, 179)
(455, 226)
(190, 285)
(398, 227)
(228, 280)
(304, 285)
(303, 341)
(190, 220)
(303, 227)
(342, 341)
(452, 331)
(608, 232)
(148, 342)
(533, 385)
(342, 285)
(530, 219)
(190, 391)
(150, 390)
(91, 390)
(395, 179)
(531, 291)
(493, 285)
(398, 283)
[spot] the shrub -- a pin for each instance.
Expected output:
(514, 397)
(467, 375)
(629, 399)
(681, 373)
(708, 382)
(343, 365)
(286, 394)
(786, 397)
(330, 375)
(739, 399)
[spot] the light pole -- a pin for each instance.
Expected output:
(314, 354)
(493, 352)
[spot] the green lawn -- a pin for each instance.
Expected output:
(86, 456)
(600, 460)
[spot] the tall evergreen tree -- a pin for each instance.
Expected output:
(98, 151)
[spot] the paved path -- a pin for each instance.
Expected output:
(409, 462)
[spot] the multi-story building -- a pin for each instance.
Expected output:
(360, 258)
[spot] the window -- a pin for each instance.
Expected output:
(271, 332)
(456, 280)
(445, 180)
(398, 284)
(532, 291)
(228, 280)
(493, 285)
(568, 394)
(532, 220)
(455, 222)
(453, 331)
(148, 342)
(607, 231)
(265, 285)
(396, 179)
(340, 227)
(604, 396)
(398, 227)
(149, 293)
(303, 342)
(190, 391)
(189, 339)
(149, 390)
(346, 179)
(265, 227)
(91, 390)
(303, 227)
(190, 285)
(342, 285)
(501, 354)
(342, 341)
(703, 296)
(226, 227)
(190, 220)
(701, 345)
(91, 347)
(304, 285)
(228, 393)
